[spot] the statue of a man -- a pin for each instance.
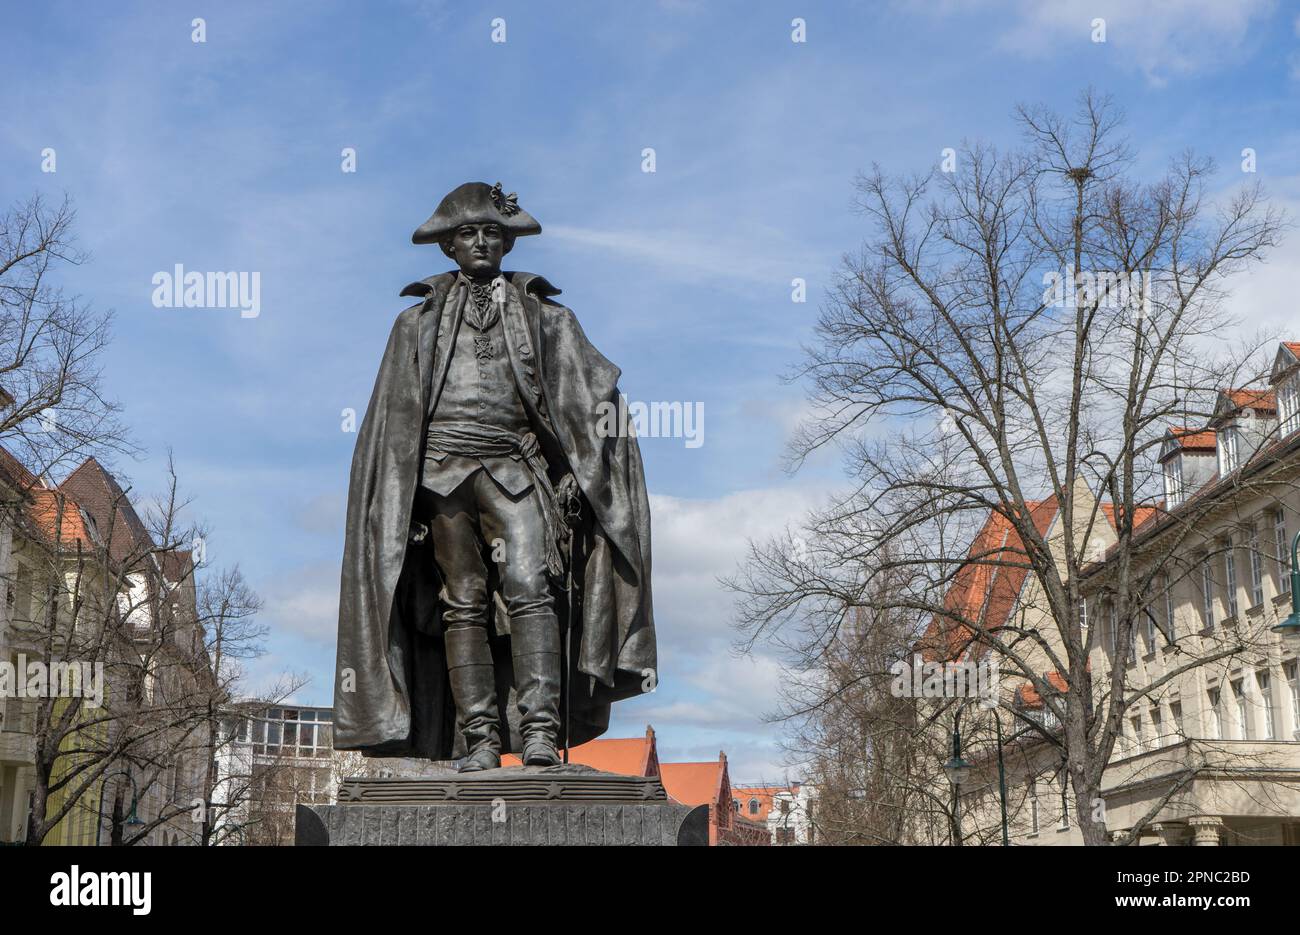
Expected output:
(496, 571)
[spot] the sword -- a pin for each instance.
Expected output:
(572, 514)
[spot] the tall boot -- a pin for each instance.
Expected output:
(474, 688)
(535, 649)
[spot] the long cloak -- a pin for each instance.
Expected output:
(392, 695)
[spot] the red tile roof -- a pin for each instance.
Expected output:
(1028, 696)
(99, 494)
(766, 796)
(1141, 514)
(1265, 400)
(177, 565)
(15, 472)
(693, 783)
(53, 513)
(1198, 439)
(985, 589)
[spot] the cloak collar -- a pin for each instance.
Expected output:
(525, 282)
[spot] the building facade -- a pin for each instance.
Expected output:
(268, 760)
(1208, 750)
(131, 617)
(787, 811)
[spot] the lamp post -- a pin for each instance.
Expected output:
(959, 771)
(133, 820)
(1290, 627)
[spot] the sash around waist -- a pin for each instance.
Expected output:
(476, 440)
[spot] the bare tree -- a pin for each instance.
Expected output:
(55, 411)
(97, 595)
(958, 387)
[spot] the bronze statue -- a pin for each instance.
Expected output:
(496, 571)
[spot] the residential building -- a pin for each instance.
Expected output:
(80, 539)
(1209, 752)
(268, 760)
(787, 811)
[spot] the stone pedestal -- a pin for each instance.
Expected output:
(567, 804)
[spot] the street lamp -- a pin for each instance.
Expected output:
(1290, 627)
(133, 820)
(959, 772)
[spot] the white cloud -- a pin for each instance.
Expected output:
(305, 601)
(1161, 38)
(740, 258)
(696, 542)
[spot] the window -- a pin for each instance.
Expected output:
(1265, 686)
(1214, 723)
(1207, 593)
(1243, 713)
(753, 806)
(1288, 404)
(1174, 481)
(1230, 576)
(1176, 714)
(1283, 552)
(1139, 744)
(1149, 626)
(1157, 727)
(1292, 672)
(1170, 633)
(1227, 450)
(23, 594)
(1033, 807)
(1256, 567)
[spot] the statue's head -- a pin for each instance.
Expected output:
(476, 225)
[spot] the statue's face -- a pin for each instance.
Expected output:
(478, 249)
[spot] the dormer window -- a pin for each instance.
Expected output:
(1187, 462)
(1174, 481)
(1288, 404)
(1228, 450)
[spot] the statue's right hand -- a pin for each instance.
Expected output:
(419, 532)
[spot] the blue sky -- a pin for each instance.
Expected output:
(225, 155)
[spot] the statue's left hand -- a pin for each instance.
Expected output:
(569, 497)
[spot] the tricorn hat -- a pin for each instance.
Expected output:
(476, 203)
